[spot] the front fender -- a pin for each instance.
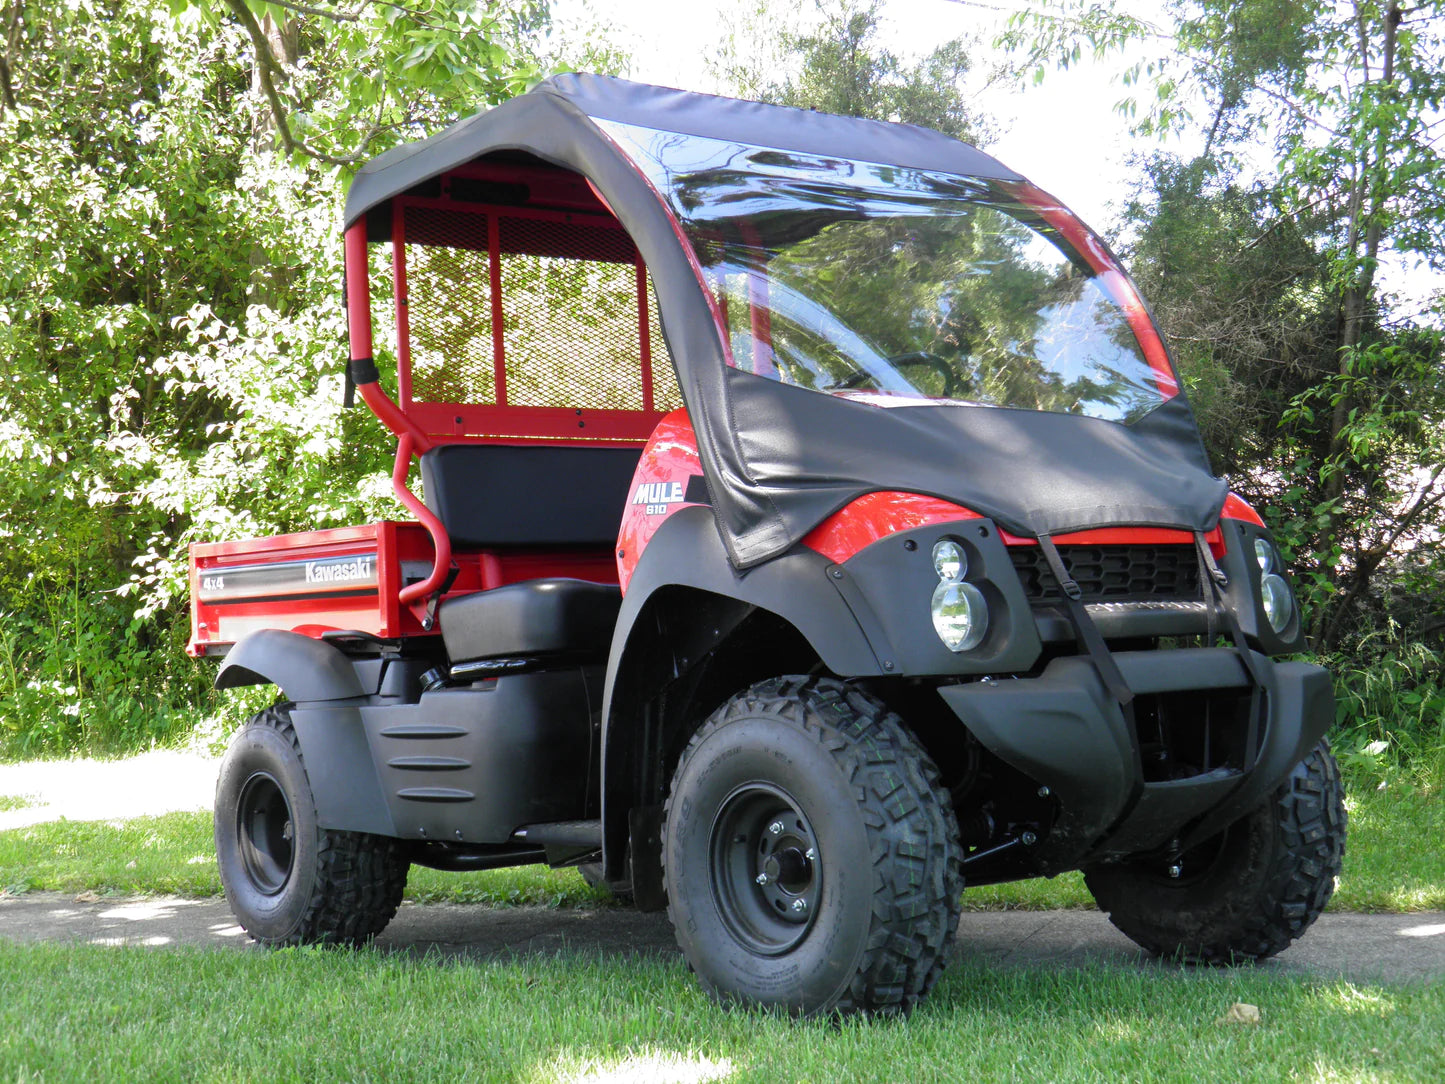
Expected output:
(687, 552)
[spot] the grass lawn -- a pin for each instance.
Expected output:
(1394, 862)
(91, 1013)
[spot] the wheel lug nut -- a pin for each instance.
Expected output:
(810, 854)
(1175, 870)
(762, 878)
(776, 828)
(800, 906)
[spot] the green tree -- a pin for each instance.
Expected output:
(170, 322)
(839, 65)
(1344, 106)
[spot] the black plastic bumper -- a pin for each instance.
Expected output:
(1064, 730)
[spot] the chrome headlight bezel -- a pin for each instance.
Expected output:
(950, 561)
(1277, 602)
(960, 615)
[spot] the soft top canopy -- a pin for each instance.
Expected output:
(780, 459)
(605, 98)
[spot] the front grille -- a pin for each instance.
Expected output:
(1124, 573)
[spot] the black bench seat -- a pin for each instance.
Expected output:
(572, 618)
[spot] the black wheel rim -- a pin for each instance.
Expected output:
(265, 833)
(766, 869)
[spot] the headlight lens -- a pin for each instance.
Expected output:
(960, 615)
(1278, 605)
(1264, 555)
(949, 561)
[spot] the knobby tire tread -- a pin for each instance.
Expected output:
(915, 919)
(360, 877)
(1309, 813)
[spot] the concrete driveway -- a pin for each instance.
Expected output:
(1361, 948)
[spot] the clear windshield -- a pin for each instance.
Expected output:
(899, 285)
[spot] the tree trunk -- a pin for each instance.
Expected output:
(1366, 211)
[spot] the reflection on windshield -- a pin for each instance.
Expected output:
(857, 278)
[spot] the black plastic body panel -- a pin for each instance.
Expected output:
(889, 587)
(466, 765)
(1243, 591)
(303, 668)
(1063, 730)
(475, 764)
(339, 765)
(687, 550)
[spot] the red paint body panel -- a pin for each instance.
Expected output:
(878, 515)
(669, 459)
(401, 551)
(1236, 507)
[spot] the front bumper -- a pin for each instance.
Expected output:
(1064, 730)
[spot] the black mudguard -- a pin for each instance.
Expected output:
(303, 668)
(327, 688)
(687, 551)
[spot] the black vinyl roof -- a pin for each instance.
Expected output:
(607, 98)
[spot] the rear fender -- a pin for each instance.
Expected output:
(303, 668)
(315, 675)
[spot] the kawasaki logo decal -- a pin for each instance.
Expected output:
(330, 572)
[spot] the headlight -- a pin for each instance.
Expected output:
(960, 615)
(1264, 555)
(949, 561)
(1278, 605)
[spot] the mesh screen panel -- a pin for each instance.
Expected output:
(450, 303)
(570, 333)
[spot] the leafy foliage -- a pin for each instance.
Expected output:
(1320, 394)
(171, 329)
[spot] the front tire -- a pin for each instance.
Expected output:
(1246, 893)
(289, 881)
(811, 859)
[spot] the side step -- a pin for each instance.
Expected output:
(561, 834)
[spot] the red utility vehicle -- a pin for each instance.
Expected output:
(813, 523)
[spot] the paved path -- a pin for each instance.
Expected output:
(147, 785)
(1367, 948)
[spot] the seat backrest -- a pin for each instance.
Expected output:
(494, 495)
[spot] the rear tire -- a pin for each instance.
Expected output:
(811, 858)
(1246, 893)
(289, 881)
